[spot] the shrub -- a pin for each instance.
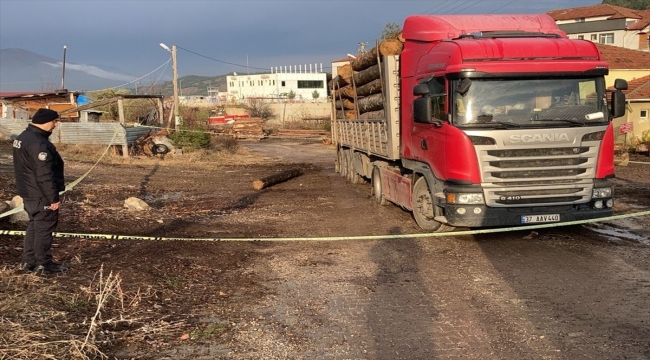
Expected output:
(190, 139)
(260, 109)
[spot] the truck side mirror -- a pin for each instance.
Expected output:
(421, 90)
(422, 110)
(620, 84)
(618, 103)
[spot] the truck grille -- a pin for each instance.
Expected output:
(540, 176)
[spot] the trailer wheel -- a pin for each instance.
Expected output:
(424, 208)
(337, 161)
(344, 164)
(377, 189)
(352, 175)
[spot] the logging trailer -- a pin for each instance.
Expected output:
(483, 121)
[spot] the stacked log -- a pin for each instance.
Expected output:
(244, 128)
(357, 89)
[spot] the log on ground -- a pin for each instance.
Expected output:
(276, 178)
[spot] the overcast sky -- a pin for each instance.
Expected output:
(123, 36)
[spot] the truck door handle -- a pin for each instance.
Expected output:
(423, 144)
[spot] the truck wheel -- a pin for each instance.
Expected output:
(337, 161)
(377, 189)
(352, 175)
(424, 208)
(343, 163)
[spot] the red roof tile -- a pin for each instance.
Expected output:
(611, 11)
(638, 88)
(643, 22)
(624, 59)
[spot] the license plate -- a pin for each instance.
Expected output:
(530, 219)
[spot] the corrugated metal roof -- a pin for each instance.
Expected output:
(80, 133)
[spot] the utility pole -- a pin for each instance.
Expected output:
(177, 110)
(63, 67)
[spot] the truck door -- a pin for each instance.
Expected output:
(428, 139)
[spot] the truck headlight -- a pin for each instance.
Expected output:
(602, 193)
(465, 198)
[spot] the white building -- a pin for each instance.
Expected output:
(606, 24)
(304, 81)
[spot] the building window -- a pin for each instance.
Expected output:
(283, 84)
(643, 114)
(581, 37)
(606, 38)
(310, 84)
(594, 37)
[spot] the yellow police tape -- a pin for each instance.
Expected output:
(71, 185)
(330, 238)
(335, 238)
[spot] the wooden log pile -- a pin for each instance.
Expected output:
(357, 88)
(301, 133)
(243, 128)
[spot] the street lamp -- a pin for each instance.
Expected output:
(177, 116)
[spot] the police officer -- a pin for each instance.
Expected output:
(38, 170)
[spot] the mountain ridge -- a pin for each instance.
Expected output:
(25, 70)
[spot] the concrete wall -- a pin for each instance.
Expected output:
(639, 124)
(290, 112)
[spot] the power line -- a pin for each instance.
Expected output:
(439, 9)
(457, 6)
(492, 12)
(467, 7)
(221, 61)
(138, 79)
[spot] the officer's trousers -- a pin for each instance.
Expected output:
(41, 225)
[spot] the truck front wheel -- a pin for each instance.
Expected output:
(424, 208)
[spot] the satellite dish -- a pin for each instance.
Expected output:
(234, 73)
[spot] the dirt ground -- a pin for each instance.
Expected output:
(317, 299)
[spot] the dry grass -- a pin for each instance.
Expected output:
(35, 323)
(224, 150)
(41, 318)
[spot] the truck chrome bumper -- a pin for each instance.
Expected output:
(484, 216)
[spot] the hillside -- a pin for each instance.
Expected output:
(190, 85)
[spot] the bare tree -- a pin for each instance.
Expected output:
(260, 109)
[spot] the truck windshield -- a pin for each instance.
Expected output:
(516, 103)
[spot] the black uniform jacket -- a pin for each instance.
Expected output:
(38, 167)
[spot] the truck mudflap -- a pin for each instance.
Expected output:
(484, 216)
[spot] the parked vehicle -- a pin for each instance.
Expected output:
(488, 120)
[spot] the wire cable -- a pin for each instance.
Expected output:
(158, 79)
(467, 7)
(492, 12)
(140, 78)
(439, 9)
(221, 61)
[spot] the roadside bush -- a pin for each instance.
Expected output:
(259, 109)
(224, 143)
(191, 139)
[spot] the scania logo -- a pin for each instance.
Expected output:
(539, 138)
